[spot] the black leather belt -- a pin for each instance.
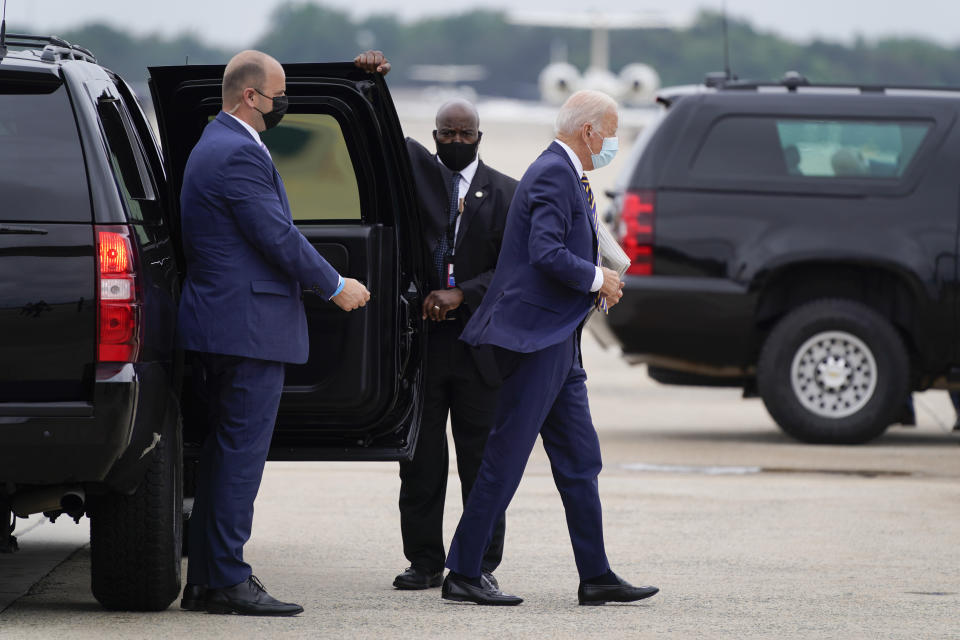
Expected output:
(443, 324)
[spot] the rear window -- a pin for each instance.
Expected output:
(757, 147)
(42, 175)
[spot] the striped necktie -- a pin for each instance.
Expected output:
(600, 301)
(448, 239)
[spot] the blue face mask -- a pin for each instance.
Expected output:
(607, 152)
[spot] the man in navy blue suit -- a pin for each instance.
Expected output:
(546, 282)
(241, 314)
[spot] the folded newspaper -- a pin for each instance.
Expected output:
(611, 255)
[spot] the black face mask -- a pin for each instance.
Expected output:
(456, 155)
(273, 118)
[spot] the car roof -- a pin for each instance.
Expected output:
(821, 102)
(41, 55)
(794, 84)
(26, 62)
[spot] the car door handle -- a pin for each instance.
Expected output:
(5, 228)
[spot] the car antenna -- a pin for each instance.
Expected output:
(726, 43)
(717, 79)
(3, 31)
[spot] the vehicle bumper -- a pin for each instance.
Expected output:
(702, 324)
(99, 442)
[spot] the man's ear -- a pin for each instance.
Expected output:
(585, 130)
(435, 136)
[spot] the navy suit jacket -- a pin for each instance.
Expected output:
(247, 263)
(540, 291)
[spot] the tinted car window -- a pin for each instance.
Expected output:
(130, 164)
(42, 175)
(126, 161)
(849, 148)
(311, 154)
(761, 147)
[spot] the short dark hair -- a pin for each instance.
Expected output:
(248, 74)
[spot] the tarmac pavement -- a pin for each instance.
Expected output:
(747, 533)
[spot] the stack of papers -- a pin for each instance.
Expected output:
(611, 255)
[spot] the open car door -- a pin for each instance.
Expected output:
(341, 154)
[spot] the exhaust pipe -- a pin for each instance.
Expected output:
(69, 499)
(73, 502)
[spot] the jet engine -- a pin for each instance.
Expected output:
(558, 81)
(639, 83)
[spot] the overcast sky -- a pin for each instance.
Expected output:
(238, 22)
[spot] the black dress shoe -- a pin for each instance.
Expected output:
(488, 577)
(593, 594)
(459, 591)
(194, 597)
(413, 579)
(249, 598)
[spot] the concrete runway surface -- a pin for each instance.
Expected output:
(747, 533)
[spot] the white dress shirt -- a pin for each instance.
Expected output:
(578, 166)
(251, 130)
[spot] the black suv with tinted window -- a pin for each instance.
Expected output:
(800, 242)
(96, 405)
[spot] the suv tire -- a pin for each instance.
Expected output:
(135, 540)
(834, 371)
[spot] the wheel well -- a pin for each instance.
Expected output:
(886, 292)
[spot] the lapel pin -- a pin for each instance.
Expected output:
(479, 194)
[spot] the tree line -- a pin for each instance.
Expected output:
(513, 55)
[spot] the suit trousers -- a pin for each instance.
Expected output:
(543, 393)
(242, 395)
(453, 386)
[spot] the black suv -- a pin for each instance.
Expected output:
(800, 242)
(96, 405)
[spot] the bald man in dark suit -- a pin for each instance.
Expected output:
(464, 205)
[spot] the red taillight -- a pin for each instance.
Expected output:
(114, 249)
(636, 231)
(118, 304)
